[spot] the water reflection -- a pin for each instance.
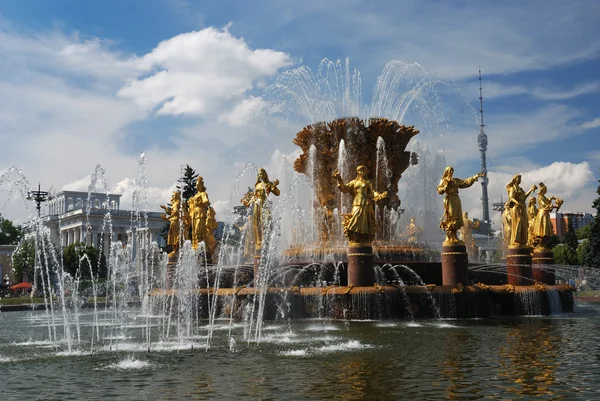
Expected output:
(529, 358)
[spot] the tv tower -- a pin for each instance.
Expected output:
(482, 142)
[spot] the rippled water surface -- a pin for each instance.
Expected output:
(526, 358)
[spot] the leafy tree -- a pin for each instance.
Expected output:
(23, 259)
(565, 255)
(582, 251)
(35, 251)
(9, 233)
(72, 260)
(583, 232)
(593, 254)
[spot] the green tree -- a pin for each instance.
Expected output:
(565, 255)
(9, 233)
(78, 256)
(582, 251)
(553, 241)
(36, 250)
(188, 181)
(23, 259)
(570, 237)
(593, 254)
(583, 232)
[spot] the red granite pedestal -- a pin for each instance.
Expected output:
(361, 272)
(455, 264)
(518, 267)
(543, 259)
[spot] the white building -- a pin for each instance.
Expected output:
(71, 220)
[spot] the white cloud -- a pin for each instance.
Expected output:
(569, 181)
(243, 112)
(595, 123)
(195, 72)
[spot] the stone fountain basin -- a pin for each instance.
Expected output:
(384, 302)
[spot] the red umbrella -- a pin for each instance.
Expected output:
(20, 286)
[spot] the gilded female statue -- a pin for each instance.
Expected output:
(506, 225)
(173, 217)
(198, 206)
(412, 230)
(211, 226)
(466, 233)
(260, 214)
(542, 227)
(519, 221)
(452, 219)
(532, 212)
(360, 225)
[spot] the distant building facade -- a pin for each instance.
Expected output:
(560, 222)
(97, 220)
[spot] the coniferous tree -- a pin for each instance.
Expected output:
(188, 189)
(593, 253)
(188, 181)
(571, 237)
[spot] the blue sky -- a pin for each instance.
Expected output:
(97, 82)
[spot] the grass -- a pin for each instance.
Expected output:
(21, 301)
(587, 293)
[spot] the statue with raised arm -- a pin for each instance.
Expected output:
(360, 225)
(519, 221)
(452, 220)
(172, 215)
(542, 227)
(198, 206)
(260, 212)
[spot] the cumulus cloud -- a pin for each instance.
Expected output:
(569, 181)
(243, 112)
(194, 72)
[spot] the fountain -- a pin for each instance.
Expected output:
(381, 273)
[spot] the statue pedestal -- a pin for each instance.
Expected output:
(257, 253)
(361, 272)
(171, 266)
(542, 260)
(455, 264)
(518, 265)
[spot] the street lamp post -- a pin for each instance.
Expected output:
(38, 197)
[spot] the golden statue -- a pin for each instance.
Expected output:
(173, 217)
(532, 212)
(260, 214)
(360, 225)
(210, 240)
(518, 212)
(452, 219)
(412, 231)
(506, 225)
(542, 227)
(466, 234)
(198, 206)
